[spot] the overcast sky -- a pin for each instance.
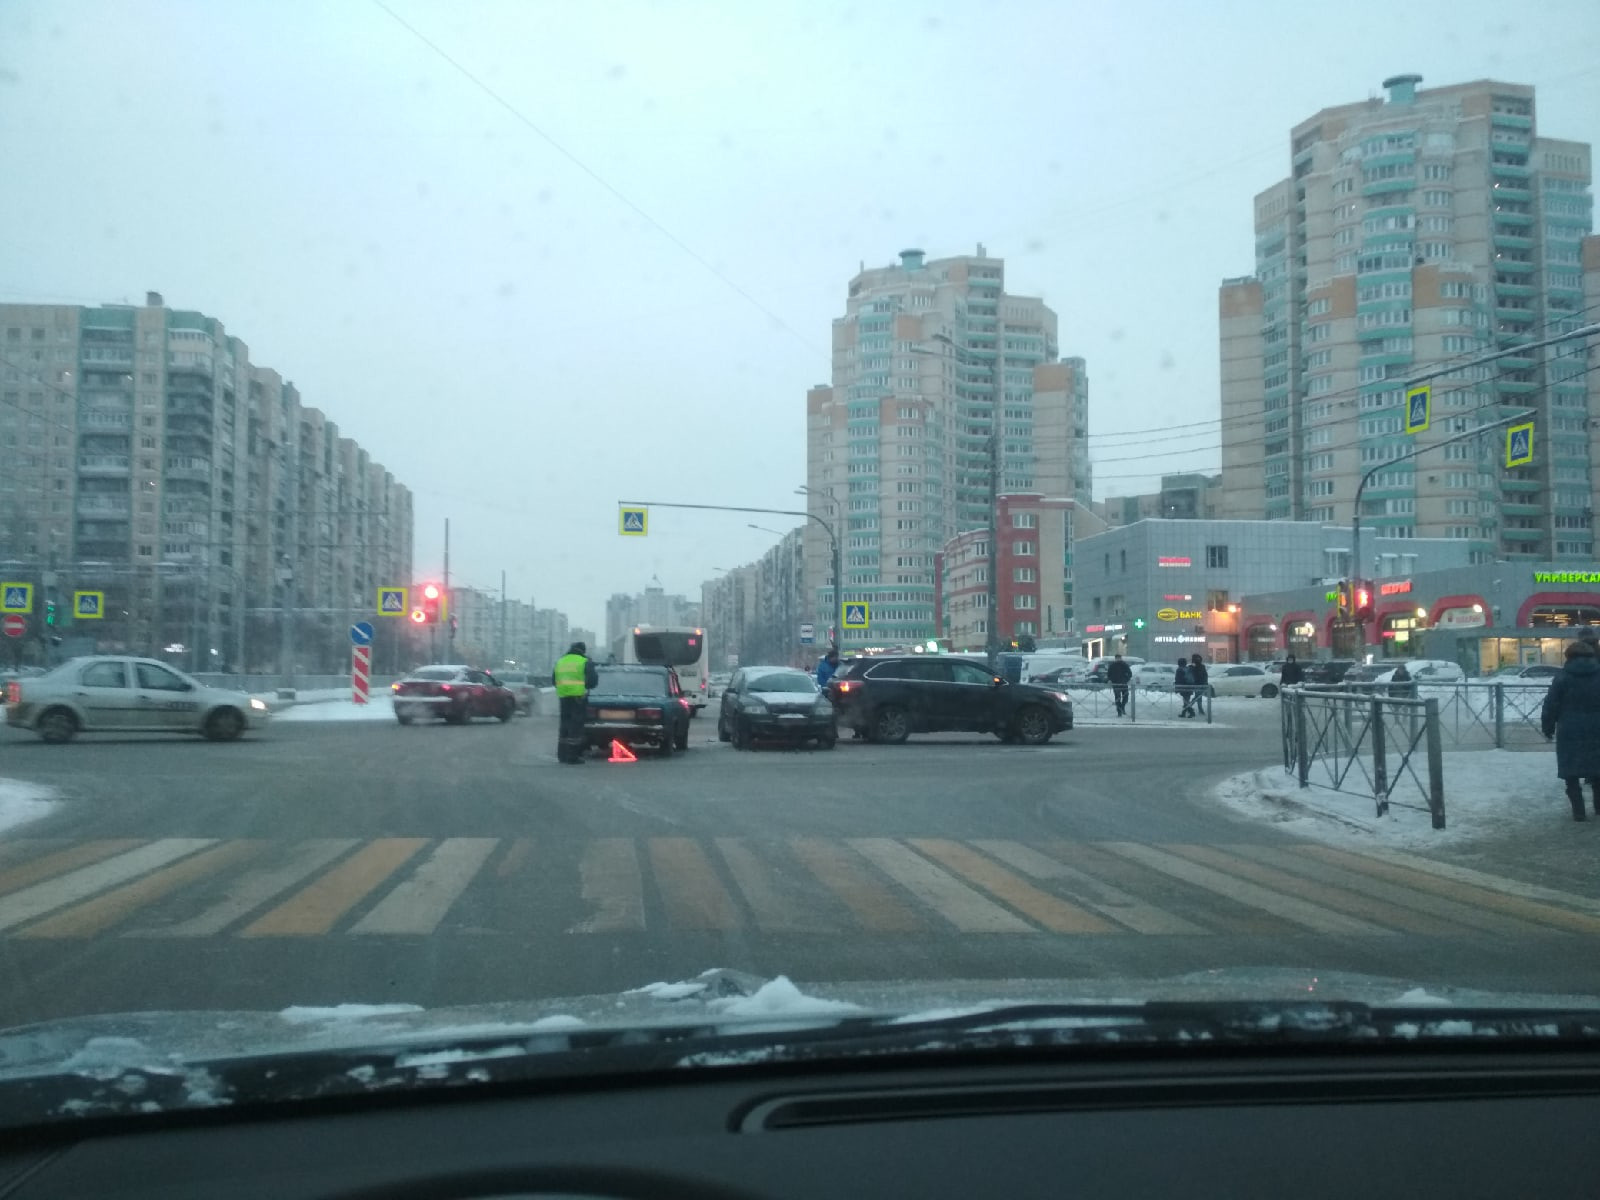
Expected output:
(576, 253)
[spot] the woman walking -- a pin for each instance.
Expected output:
(1572, 716)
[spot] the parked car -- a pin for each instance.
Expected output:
(761, 703)
(452, 693)
(1527, 675)
(1243, 679)
(117, 694)
(1328, 671)
(1435, 670)
(638, 706)
(520, 684)
(887, 698)
(1155, 675)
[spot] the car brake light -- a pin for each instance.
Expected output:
(444, 687)
(702, 685)
(844, 685)
(650, 712)
(14, 692)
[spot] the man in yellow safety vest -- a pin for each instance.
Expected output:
(574, 676)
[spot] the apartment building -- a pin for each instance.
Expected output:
(1185, 497)
(946, 390)
(145, 457)
(653, 606)
(1416, 233)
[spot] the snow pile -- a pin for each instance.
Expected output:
(1419, 996)
(779, 997)
(668, 991)
(379, 708)
(1487, 793)
(22, 802)
(306, 1015)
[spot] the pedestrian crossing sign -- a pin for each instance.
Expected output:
(16, 597)
(634, 522)
(392, 602)
(89, 606)
(1419, 405)
(1519, 445)
(855, 616)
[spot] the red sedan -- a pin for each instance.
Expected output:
(451, 693)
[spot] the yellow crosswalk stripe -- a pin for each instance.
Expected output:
(420, 903)
(1515, 906)
(105, 910)
(1495, 883)
(842, 873)
(953, 900)
(1054, 914)
(611, 881)
(516, 854)
(1311, 916)
(60, 861)
(48, 895)
(317, 908)
(688, 885)
(773, 912)
(1109, 901)
(254, 889)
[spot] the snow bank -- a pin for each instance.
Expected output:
(23, 802)
(1487, 794)
(780, 998)
(379, 708)
(306, 1015)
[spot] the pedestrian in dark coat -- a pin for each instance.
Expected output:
(1401, 684)
(1199, 684)
(1118, 675)
(1572, 716)
(1180, 684)
(1293, 673)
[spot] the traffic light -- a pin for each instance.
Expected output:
(432, 601)
(1363, 601)
(49, 612)
(1344, 598)
(418, 617)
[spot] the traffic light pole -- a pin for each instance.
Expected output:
(1355, 519)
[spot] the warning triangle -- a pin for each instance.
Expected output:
(620, 753)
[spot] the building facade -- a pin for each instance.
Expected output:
(945, 391)
(226, 525)
(653, 606)
(755, 613)
(1415, 234)
(1185, 497)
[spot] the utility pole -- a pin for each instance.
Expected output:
(449, 608)
(502, 618)
(996, 465)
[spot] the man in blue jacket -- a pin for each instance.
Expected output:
(1572, 716)
(826, 666)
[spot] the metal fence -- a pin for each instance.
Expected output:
(1476, 714)
(1160, 703)
(1366, 741)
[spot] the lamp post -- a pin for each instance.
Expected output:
(835, 622)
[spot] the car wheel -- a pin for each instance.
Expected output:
(682, 740)
(722, 730)
(741, 734)
(224, 724)
(509, 711)
(827, 741)
(1269, 690)
(1032, 726)
(404, 717)
(57, 726)
(891, 725)
(664, 748)
(455, 716)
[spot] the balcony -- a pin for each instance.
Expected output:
(1515, 387)
(1520, 508)
(1505, 189)
(1400, 183)
(1522, 535)
(1514, 266)
(1510, 170)
(1509, 485)
(1507, 120)
(1505, 289)
(1507, 217)
(1505, 239)
(104, 506)
(103, 464)
(188, 469)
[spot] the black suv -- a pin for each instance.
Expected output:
(889, 698)
(1328, 670)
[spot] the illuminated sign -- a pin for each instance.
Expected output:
(1398, 588)
(1566, 576)
(1174, 560)
(1177, 596)
(1094, 628)
(1117, 628)
(1332, 597)
(1180, 614)
(1182, 639)
(1460, 618)
(1167, 614)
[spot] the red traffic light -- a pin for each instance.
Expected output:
(418, 617)
(431, 591)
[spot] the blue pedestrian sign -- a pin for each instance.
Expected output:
(392, 602)
(1519, 445)
(89, 606)
(634, 522)
(1419, 404)
(855, 616)
(361, 633)
(16, 597)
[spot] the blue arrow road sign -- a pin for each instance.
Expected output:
(361, 633)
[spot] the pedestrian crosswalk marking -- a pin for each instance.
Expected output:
(256, 888)
(420, 903)
(89, 917)
(188, 888)
(611, 883)
(318, 907)
(21, 907)
(688, 885)
(1053, 913)
(1312, 916)
(946, 895)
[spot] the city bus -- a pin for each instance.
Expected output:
(682, 649)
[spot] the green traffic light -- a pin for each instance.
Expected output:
(50, 612)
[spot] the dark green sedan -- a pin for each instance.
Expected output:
(638, 706)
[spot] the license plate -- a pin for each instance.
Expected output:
(616, 714)
(791, 716)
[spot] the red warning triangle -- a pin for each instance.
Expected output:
(620, 753)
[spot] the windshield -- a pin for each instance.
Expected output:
(896, 359)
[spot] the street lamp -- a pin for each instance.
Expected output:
(836, 622)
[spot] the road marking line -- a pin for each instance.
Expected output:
(1120, 906)
(773, 911)
(953, 900)
(1053, 913)
(22, 907)
(1218, 913)
(253, 889)
(105, 910)
(1464, 915)
(22, 848)
(613, 884)
(1466, 893)
(688, 885)
(69, 859)
(1330, 896)
(841, 872)
(1311, 916)
(318, 907)
(516, 854)
(421, 902)
(1494, 883)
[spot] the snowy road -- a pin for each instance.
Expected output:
(340, 859)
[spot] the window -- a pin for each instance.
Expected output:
(1025, 520)
(1023, 575)
(104, 675)
(1022, 548)
(1216, 556)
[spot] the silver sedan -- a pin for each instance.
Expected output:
(116, 694)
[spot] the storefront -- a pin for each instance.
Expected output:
(1300, 634)
(1485, 651)
(1562, 610)
(1260, 639)
(1459, 612)
(1399, 633)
